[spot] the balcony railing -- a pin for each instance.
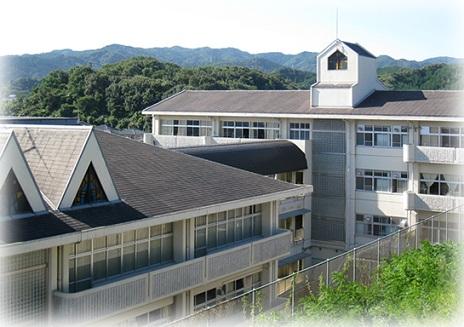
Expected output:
(291, 204)
(429, 202)
(123, 294)
(430, 154)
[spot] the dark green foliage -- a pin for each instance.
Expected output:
(433, 77)
(115, 94)
(417, 285)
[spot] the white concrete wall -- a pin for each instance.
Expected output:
(350, 75)
(333, 97)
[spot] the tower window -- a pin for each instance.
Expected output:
(12, 198)
(91, 190)
(338, 61)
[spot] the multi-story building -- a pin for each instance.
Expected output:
(100, 228)
(378, 159)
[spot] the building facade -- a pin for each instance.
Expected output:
(378, 160)
(97, 228)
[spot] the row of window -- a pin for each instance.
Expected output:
(185, 127)
(254, 130)
(441, 184)
(367, 135)
(378, 225)
(219, 229)
(447, 137)
(227, 290)
(383, 136)
(103, 257)
(294, 224)
(234, 129)
(381, 181)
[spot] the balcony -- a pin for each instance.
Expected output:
(428, 202)
(117, 296)
(292, 207)
(429, 154)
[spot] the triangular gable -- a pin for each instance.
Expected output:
(91, 155)
(12, 161)
(90, 190)
(13, 201)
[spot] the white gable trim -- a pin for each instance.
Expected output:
(90, 154)
(12, 158)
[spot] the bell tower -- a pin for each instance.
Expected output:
(346, 75)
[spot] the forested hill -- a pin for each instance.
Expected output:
(36, 66)
(115, 94)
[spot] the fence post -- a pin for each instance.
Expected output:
(293, 294)
(354, 264)
(327, 272)
(417, 231)
(433, 218)
(399, 243)
(378, 257)
(446, 226)
(253, 306)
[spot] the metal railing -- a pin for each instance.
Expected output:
(358, 264)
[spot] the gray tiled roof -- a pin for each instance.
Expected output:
(359, 49)
(239, 101)
(150, 181)
(156, 181)
(51, 154)
(4, 135)
(388, 103)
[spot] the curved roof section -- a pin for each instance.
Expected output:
(265, 158)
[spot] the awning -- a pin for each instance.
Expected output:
(293, 213)
(265, 158)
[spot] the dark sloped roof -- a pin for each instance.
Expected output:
(359, 49)
(238, 101)
(388, 103)
(265, 158)
(150, 181)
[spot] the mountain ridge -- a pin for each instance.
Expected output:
(39, 65)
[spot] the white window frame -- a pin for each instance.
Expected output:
(180, 127)
(299, 130)
(378, 175)
(377, 130)
(426, 181)
(236, 128)
(368, 224)
(440, 133)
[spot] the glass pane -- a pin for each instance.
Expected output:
(222, 235)
(155, 230)
(84, 246)
(167, 251)
(113, 240)
(200, 238)
(83, 267)
(142, 255)
(142, 233)
(212, 237)
(99, 265)
(257, 225)
(128, 236)
(238, 230)
(99, 243)
(72, 270)
(155, 251)
(128, 261)
(114, 262)
(247, 228)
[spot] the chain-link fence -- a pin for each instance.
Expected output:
(360, 264)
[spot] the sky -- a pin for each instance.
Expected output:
(410, 29)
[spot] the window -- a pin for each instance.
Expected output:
(158, 316)
(294, 224)
(299, 131)
(382, 136)
(447, 137)
(378, 225)
(91, 190)
(441, 184)
(13, 201)
(295, 177)
(226, 291)
(381, 181)
(252, 130)
(186, 127)
(337, 61)
(100, 258)
(219, 229)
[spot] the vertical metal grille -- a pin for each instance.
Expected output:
(23, 287)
